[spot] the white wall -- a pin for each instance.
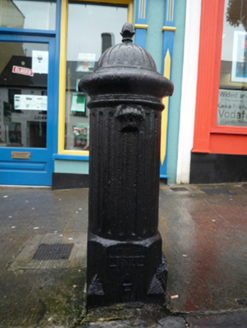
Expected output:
(189, 84)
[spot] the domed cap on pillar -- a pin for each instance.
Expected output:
(127, 54)
(126, 68)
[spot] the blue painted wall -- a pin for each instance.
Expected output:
(134, 15)
(177, 70)
(64, 166)
(154, 42)
(154, 39)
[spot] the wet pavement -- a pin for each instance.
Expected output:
(203, 230)
(204, 239)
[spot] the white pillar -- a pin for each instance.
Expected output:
(189, 85)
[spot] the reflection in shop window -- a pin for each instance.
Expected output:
(23, 94)
(29, 14)
(92, 28)
(232, 102)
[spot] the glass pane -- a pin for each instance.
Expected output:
(29, 14)
(23, 94)
(83, 52)
(232, 103)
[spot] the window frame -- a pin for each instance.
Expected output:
(82, 154)
(208, 136)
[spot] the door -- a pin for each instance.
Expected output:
(26, 110)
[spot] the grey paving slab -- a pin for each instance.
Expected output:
(229, 320)
(172, 322)
(204, 241)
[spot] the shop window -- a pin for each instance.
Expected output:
(87, 30)
(83, 52)
(220, 118)
(23, 110)
(29, 14)
(232, 103)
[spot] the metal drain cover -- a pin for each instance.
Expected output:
(218, 191)
(179, 189)
(53, 252)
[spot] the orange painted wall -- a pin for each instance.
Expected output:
(208, 137)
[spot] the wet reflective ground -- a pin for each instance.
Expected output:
(205, 242)
(41, 293)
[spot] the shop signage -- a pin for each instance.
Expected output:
(30, 102)
(232, 107)
(22, 70)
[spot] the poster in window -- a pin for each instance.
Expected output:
(40, 62)
(232, 107)
(81, 136)
(85, 62)
(239, 60)
(78, 103)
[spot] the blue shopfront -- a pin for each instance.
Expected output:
(46, 47)
(29, 36)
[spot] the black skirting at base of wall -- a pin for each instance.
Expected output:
(72, 181)
(218, 168)
(69, 181)
(163, 180)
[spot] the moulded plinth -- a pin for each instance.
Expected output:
(125, 271)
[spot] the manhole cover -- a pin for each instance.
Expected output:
(53, 252)
(179, 189)
(218, 191)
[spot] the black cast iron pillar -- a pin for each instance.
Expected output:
(125, 260)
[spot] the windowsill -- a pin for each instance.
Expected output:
(71, 157)
(227, 129)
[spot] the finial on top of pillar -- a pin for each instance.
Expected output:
(127, 32)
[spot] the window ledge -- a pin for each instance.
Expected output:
(70, 157)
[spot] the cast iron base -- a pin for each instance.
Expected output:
(125, 271)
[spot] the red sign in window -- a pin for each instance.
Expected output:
(22, 70)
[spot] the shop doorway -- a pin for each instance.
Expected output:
(26, 110)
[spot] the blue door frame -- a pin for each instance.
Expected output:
(38, 169)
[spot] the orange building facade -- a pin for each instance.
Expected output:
(216, 152)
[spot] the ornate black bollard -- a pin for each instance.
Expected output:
(125, 260)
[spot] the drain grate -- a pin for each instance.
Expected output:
(179, 189)
(53, 252)
(242, 301)
(218, 191)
